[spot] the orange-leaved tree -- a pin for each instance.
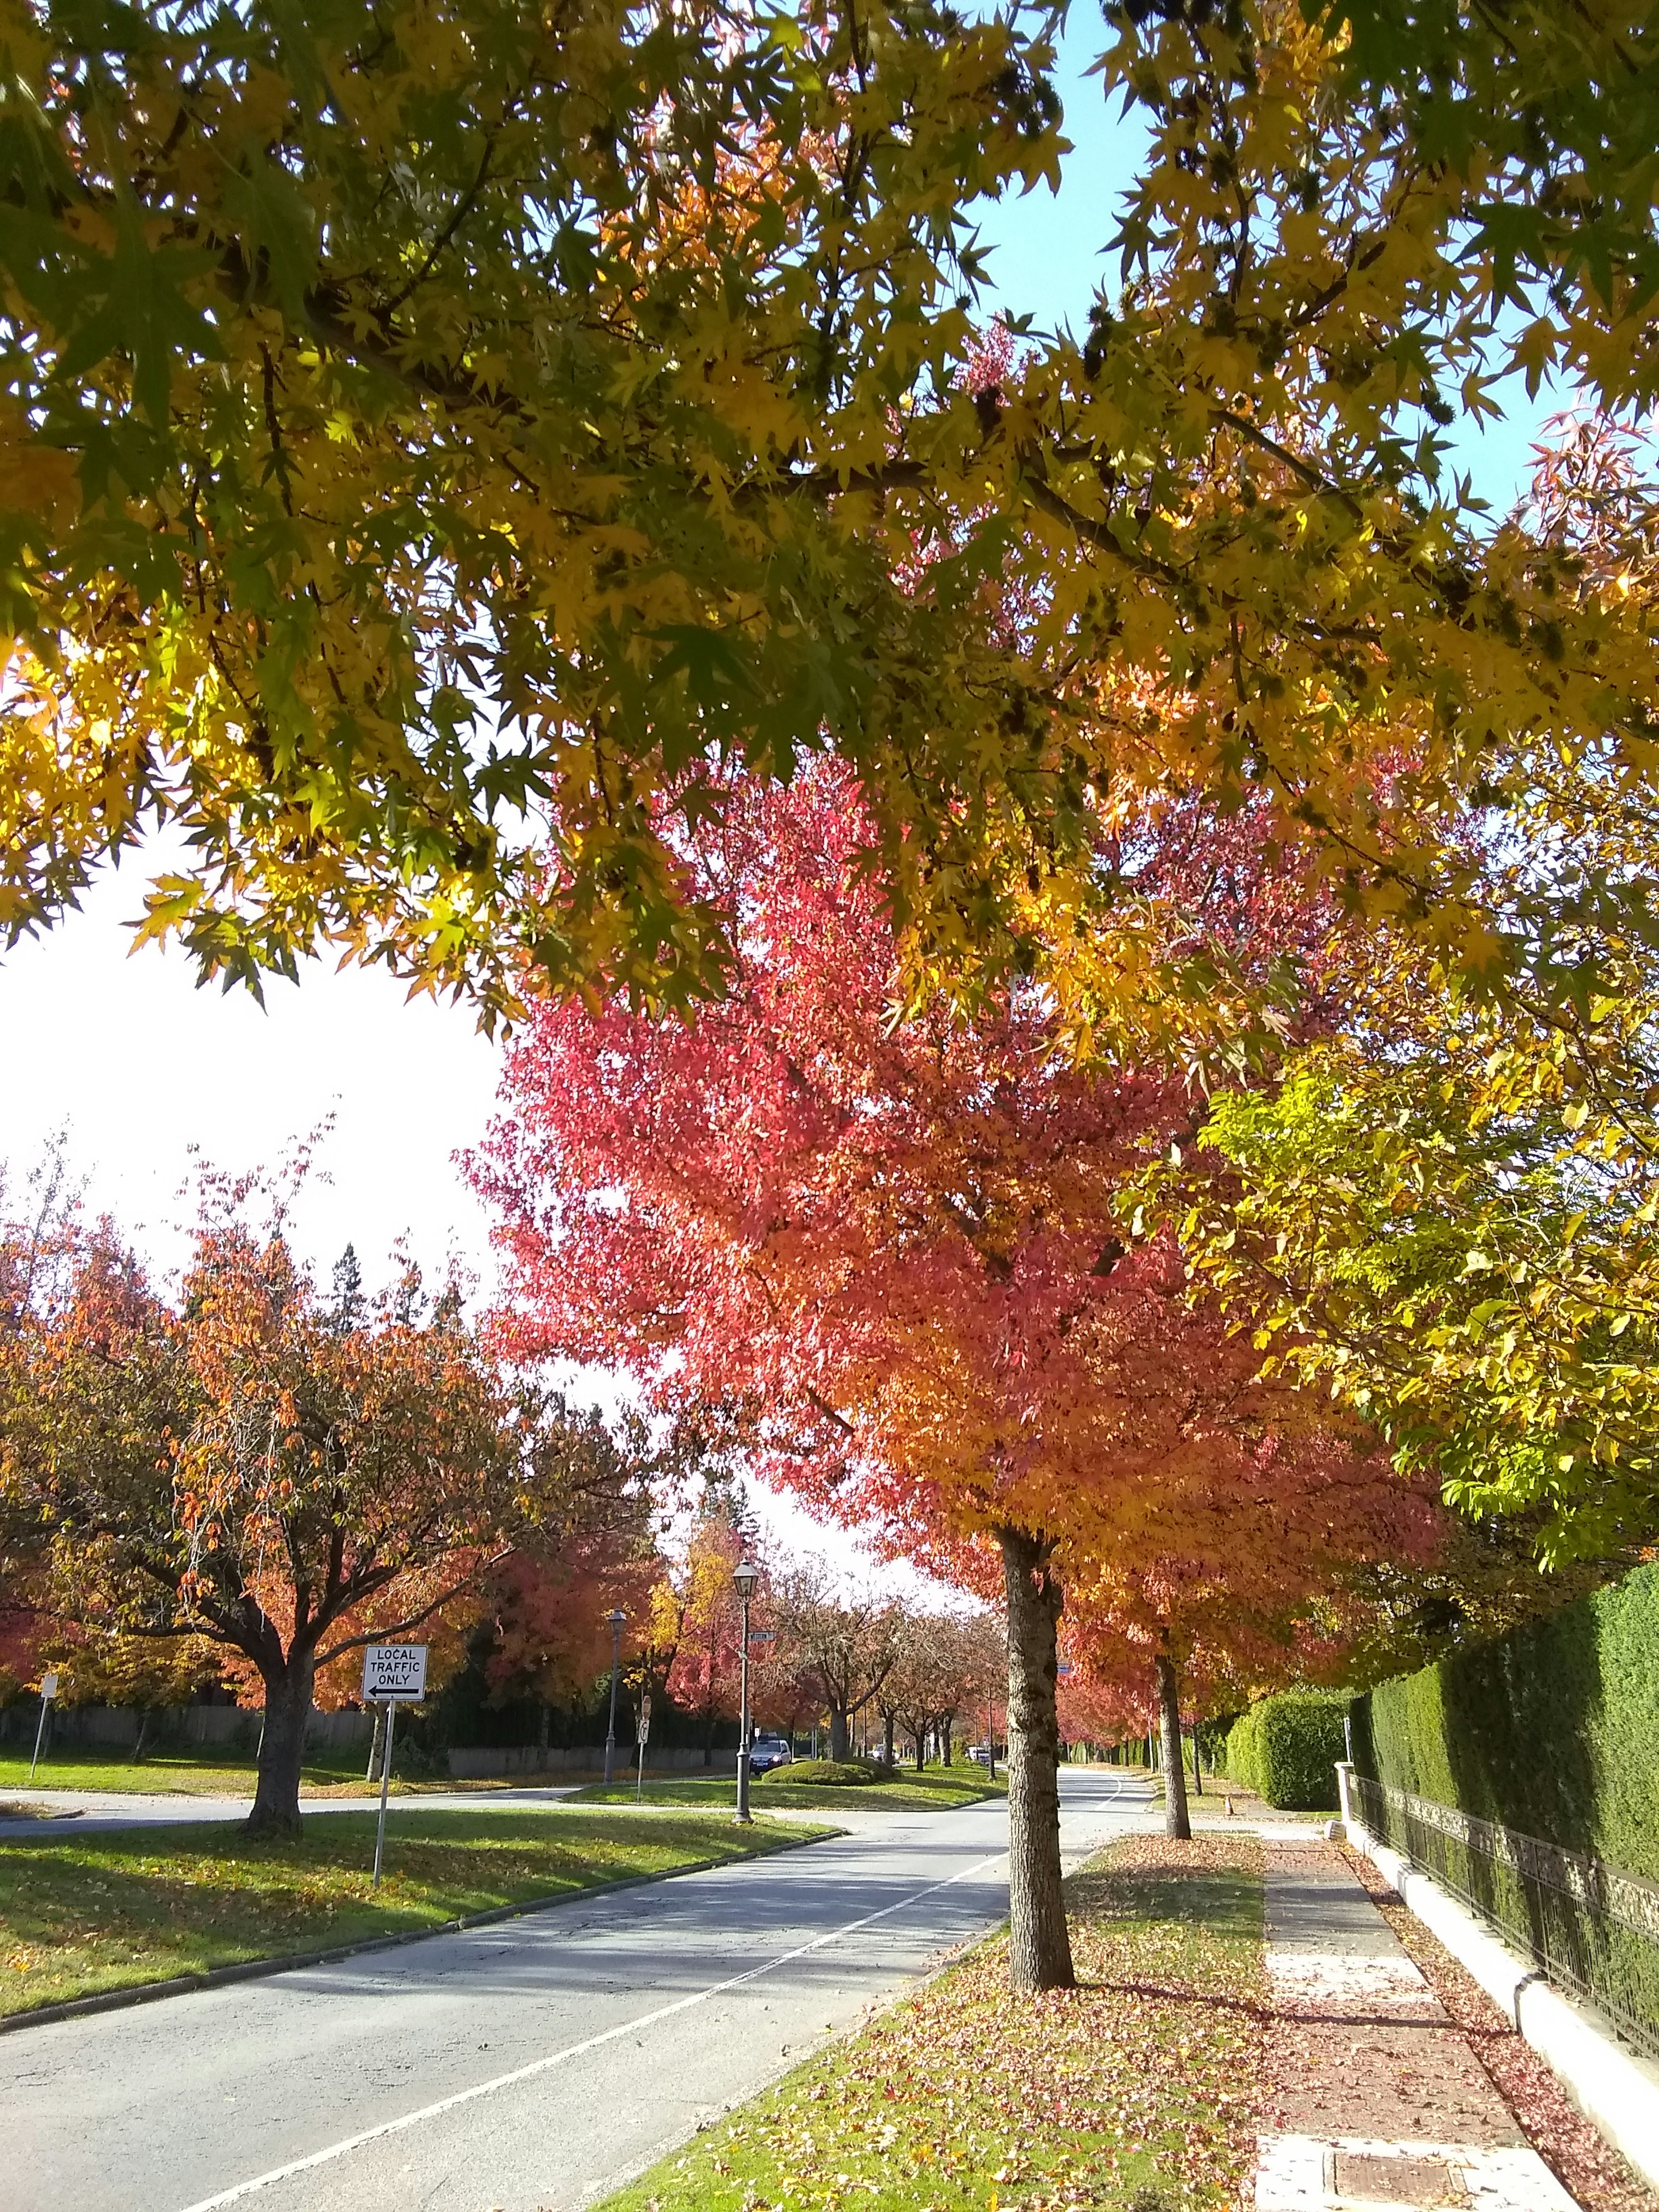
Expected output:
(248, 1465)
(890, 1249)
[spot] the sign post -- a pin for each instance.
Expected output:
(644, 1733)
(48, 1692)
(393, 1674)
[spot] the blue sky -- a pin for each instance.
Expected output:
(1047, 256)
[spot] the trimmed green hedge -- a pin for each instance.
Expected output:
(1286, 1748)
(1553, 1729)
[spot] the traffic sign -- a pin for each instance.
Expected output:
(644, 1730)
(49, 1684)
(394, 1673)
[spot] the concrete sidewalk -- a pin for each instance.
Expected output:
(1380, 2100)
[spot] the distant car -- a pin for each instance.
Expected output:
(980, 1753)
(766, 1752)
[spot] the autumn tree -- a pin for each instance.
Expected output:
(944, 1662)
(413, 544)
(843, 1646)
(705, 1676)
(239, 1466)
(891, 1251)
(392, 526)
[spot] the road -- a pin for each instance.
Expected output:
(530, 2066)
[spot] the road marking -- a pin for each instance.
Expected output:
(242, 2189)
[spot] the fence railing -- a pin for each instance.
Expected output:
(1589, 1927)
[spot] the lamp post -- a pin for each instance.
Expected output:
(617, 1618)
(745, 1575)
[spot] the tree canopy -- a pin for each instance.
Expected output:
(443, 444)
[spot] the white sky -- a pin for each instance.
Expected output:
(141, 1067)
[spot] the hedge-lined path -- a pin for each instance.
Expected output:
(1377, 2096)
(533, 2063)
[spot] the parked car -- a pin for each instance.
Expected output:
(766, 1752)
(983, 1754)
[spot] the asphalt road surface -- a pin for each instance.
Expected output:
(530, 2066)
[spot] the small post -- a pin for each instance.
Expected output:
(617, 1617)
(745, 1575)
(991, 1738)
(385, 1784)
(48, 1692)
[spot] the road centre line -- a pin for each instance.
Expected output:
(243, 2189)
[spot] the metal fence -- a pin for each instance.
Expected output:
(1585, 1925)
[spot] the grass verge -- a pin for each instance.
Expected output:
(197, 1774)
(1139, 2088)
(78, 1916)
(935, 1789)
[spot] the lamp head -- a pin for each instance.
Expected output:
(617, 1617)
(745, 1575)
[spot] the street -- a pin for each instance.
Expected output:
(534, 2064)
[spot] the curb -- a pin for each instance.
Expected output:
(1616, 2091)
(255, 1970)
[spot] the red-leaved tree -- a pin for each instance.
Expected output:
(889, 1247)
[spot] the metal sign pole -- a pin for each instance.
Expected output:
(385, 1782)
(48, 1692)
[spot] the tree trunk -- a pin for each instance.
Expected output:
(887, 1738)
(1040, 1955)
(945, 1741)
(837, 1732)
(1175, 1822)
(922, 1747)
(282, 1750)
(376, 1744)
(1198, 1772)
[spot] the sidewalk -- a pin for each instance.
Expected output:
(1377, 2097)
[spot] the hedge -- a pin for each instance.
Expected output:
(1286, 1748)
(1553, 1729)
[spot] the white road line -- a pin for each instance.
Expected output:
(242, 2189)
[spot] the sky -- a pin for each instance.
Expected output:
(147, 1074)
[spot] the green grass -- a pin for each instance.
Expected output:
(79, 1915)
(1138, 2089)
(197, 1773)
(936, 1788)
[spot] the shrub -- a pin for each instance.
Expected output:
(1286, 1748)
(1553, 1729)
(830, 1773)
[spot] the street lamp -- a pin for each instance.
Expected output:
(617, 1618)
(745, 1575)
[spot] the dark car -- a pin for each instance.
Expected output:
(766, 1752)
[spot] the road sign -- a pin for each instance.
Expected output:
(645, 1717)
(48, 1692)
(394, 1673)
